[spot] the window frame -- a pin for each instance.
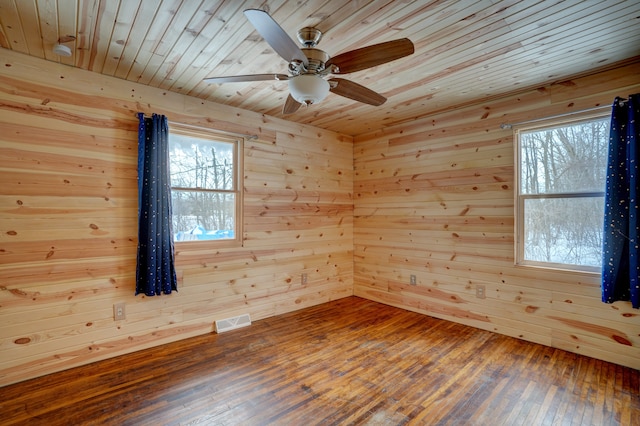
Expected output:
(519, 199)
(238, 183)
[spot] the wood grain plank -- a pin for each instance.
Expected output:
(47, 14)
(28, 18)
(105, 19)
(129, 34)
(13, 36)
(68, 27)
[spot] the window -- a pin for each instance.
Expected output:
(205, 185)
(561, 171)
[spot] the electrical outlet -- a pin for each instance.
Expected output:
(303, 279)
(412, 280)
(480, 292)
(118, 312)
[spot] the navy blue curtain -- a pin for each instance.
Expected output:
(155, 272)
(620, 268)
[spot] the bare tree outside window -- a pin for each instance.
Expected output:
(561, 194)
(203, 187)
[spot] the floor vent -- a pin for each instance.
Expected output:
(232, 323)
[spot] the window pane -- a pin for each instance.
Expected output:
(201, 163)
(564, 230)
(562, 159)
(201, 215)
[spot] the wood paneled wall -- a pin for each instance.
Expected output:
(432, 198)
(435, 198)
(68, 220)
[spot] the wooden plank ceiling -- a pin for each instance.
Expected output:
(466, 50)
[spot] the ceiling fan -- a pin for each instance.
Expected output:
(309, 67)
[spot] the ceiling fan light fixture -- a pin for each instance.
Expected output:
(308, 88)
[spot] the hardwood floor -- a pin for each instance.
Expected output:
(348, 362)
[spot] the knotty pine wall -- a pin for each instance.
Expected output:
(435, 198)
(68, 220)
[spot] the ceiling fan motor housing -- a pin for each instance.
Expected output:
(309, 37)
(317, 58)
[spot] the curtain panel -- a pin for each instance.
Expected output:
(620, 267)
(155, 271)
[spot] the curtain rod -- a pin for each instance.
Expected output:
(194, 126)
(208, 129)
(510, 125)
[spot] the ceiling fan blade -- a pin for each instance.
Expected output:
(371, 56)
(355, 91)
(243, 78)
(273, 34)
(290, 105)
